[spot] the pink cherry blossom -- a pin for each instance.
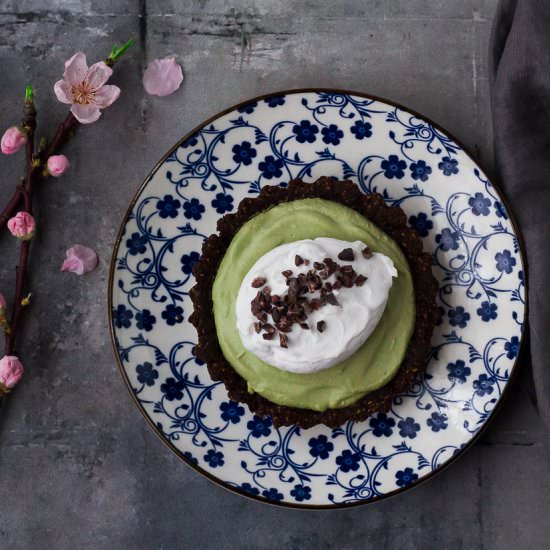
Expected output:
(85, 88)
(162, 77)
(12, 140)
(80, 259)
(57, 165)
(11, 370)
(22, 226)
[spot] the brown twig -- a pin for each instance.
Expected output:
(29, 124)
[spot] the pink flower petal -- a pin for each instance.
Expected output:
(63, 92)
(80, 259)
(106, 95)
(162, 77)
(76, 69)
(85, 114)
(98, 74)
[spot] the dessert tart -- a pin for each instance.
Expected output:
(314, 303)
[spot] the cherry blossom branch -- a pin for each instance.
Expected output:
(86, 100)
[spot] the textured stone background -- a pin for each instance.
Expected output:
(79, 467)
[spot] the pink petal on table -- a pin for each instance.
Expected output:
(162, 77)
(80, 259)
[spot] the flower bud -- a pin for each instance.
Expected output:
(12, 140)
(11, 370)
(57, 165)
(22, 226)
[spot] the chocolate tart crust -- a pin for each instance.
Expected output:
(390, 219)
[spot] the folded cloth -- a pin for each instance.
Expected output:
(520, 88)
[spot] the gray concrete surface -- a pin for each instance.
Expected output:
(79, 467)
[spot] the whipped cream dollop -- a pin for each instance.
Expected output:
(346, 325)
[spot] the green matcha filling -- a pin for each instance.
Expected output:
(373, 365)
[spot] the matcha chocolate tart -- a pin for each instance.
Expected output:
(314, 303)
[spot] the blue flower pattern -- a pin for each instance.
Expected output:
(421, 223)
(420, 170)
(487, 311)
(147, 374)
(143, 251)
(223, 203)
(458, 317)
(168, 207)
(145, 320)
(244, 153)
(193, 209)
(393, 167)
(408, 427)
(382, 425)
(437, 421)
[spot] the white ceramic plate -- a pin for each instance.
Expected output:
(384, 148)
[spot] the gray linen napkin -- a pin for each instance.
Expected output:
(520, 87)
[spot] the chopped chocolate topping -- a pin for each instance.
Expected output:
(268, 335)
(360, 281)
(346, 255)
(298, 260)
(321, 326)
(315, 304)
(270, 329)
(258, 327)
(283, 340)
(318, 265)
(287, 273)
(331, 299)
(276, 315)
(258, 282)
(305, 326)
(367, 252)
(306, 262)
(336, 285)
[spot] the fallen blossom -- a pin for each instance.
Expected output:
(11, 370)
(12, 140)
(22, 226)
(162, 77)
(85, 88)
(80, 259)
(57, 165)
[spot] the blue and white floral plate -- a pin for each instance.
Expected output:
(384, 148)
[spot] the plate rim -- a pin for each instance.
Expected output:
(341, 506)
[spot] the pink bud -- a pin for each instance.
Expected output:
(11, 371)
(162, 77)
(12, 140)
(57, 165)
(22, 226)
(80, 259)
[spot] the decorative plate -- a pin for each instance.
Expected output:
(384, 148)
